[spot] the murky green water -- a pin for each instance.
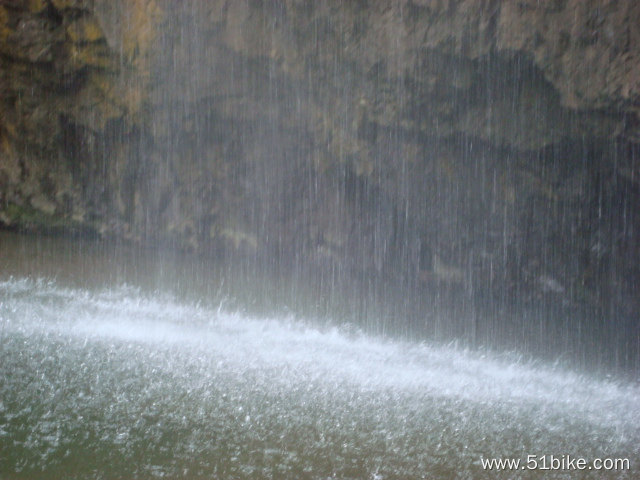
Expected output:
(104, 380)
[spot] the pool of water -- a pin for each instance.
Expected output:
(118, 382)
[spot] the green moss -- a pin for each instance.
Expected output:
(27, 218)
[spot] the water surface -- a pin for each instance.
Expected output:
(116, 381)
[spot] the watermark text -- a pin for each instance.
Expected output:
(555, 462)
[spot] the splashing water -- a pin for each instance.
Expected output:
(118, 384)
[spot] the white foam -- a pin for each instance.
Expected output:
(301, 352)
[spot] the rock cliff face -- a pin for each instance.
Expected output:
(488, 149)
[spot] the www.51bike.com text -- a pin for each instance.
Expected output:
(555, 462)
